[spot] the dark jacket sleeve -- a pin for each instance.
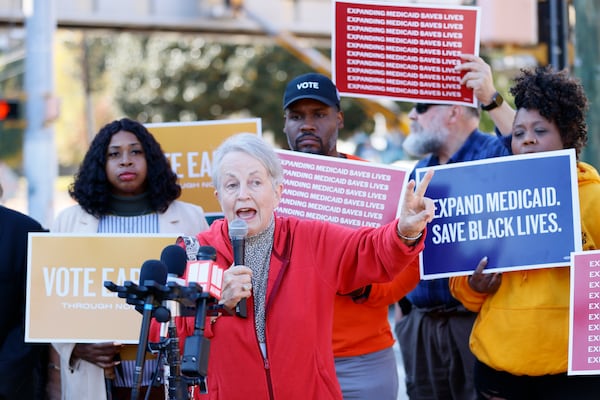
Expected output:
(18, 360)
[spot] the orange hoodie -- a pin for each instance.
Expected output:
(363, 328)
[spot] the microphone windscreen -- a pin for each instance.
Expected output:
(206, 253)
(162, 314)
(153, 270)
(238, 229)
(175, 258)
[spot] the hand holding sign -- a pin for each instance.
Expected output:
(484, 283)
(101, 354)
(478, 76)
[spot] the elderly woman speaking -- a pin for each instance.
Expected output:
(293, 269)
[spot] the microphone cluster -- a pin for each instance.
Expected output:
(163, 294)
(154, 290)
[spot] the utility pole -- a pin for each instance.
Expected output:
(553, 29)
(39, 153)
(558, 53)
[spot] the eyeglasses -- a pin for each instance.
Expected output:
(421, 108)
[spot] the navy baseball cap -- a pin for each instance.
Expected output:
(311, 86)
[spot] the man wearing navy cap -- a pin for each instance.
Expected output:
(362, 339)
(312, 115)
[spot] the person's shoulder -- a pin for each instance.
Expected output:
(217, 228)
(191, 215)
(423, 162)
(185, 207)
(353, 157)
(290, 220)
(484, 136)
(587, 170)
(9, 215)
(587, 175)
(70, 218)
(489, 145)
(70, 212)
(300, 225)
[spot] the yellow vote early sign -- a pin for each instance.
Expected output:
(189, 147)
(66, 297)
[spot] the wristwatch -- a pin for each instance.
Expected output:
(497, 100)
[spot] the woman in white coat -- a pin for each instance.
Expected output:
(124, 185)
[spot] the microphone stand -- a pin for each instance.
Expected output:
(143, 298)
(141, 349)
(194, 363)
(177, 385)
(169, 357)
(190, 369)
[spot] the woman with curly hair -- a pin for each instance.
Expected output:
(521, 334)
(124, 185)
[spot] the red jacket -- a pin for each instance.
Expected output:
(311, 261)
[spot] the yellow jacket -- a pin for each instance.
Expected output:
(523, 328)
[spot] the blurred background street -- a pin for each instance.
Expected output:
(67, 67)
(73, 65)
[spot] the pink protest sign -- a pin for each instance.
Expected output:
(584, 332)
(346, 192)
(403, 51)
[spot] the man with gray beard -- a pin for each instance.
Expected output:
(433, 328)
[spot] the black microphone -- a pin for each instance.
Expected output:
(153, 276)
(206, 253)
(238, 229)
(175, 258)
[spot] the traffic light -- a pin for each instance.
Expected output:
(9, 109)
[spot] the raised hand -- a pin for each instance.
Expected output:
(417, 210)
